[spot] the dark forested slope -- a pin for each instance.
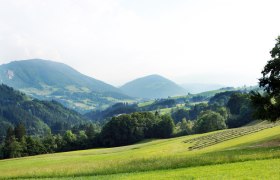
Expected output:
(39, 117)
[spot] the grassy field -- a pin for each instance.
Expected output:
(146, 103)
(161, 159)
(241, 170)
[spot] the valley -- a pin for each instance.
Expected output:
(139, 90)
(136, 136)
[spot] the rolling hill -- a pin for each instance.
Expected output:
(39, 117)
(49, 80)
(152, 87)
(251, 151)
(195, 88)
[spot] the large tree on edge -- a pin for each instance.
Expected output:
(268, 104)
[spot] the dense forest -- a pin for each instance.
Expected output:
(39, 117)
(121, 130)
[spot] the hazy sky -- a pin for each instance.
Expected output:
(204, 41)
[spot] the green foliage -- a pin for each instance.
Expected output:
(186, 126)
(121, 130)
(165, 127)
(223, 111)
(50, 143)
(197, 109)
(241, 111)
(20, 131)
(179, 114)
(221, 99)
(271, 72)
(130, 128)
(36, 116)
(91, 131)
(34, 146)
(13, 149)
(4, 127)
(69, 137)
(236, 101)
(268, 105)
(69, 141)
(209, 121)
(264, 106)
(234, 107)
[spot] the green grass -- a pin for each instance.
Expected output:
(146, 103)
(164, 111)
(205, 94)
(148, 159)
(242, 170)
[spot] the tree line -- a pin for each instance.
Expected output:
(120, 130)
(224, 110)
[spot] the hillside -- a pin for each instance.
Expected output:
(152, 87)
(195, 88)
(52, 80)
(244, 150)
(39, 117)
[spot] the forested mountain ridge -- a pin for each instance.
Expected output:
(152, 87)
(39, 117)
(49, 80)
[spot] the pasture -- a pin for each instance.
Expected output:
(176, 157)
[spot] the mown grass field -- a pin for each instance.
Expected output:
(261, 169)
(252, 155)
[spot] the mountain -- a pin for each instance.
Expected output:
(152, 87)
(39, 117)
(195, 88)
(49, 80)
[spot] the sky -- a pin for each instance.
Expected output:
(189, 41)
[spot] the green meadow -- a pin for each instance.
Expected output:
(261, 169)
(248, 152)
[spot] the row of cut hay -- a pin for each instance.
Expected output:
(212, 139)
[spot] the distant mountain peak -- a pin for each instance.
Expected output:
(45, 79)
(151, 87)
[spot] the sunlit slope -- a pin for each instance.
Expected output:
(148, 156)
